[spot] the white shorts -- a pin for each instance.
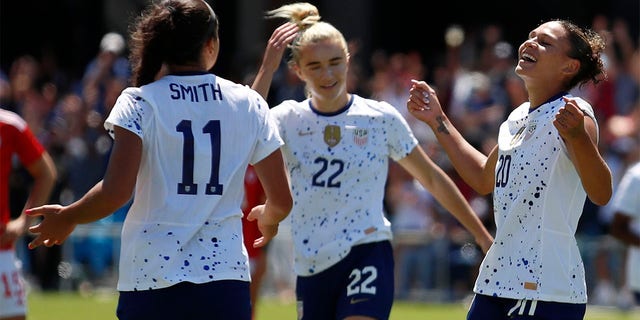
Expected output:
(13, 298)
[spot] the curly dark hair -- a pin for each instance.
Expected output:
(587, 47)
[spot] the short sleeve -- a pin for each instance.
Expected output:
(626, 198)
(28, 148)
(127, 113)
(401, 139)
(268, 135)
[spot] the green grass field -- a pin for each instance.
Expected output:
(102, 306)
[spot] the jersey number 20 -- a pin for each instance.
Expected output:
(502, 175)
(188, 186)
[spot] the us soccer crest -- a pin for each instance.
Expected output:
(332, 135)
(360, 136)
(531, 128)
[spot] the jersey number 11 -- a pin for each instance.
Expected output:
(187, 186)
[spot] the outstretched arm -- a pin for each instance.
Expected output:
(276, 46)
(434, 179)
(474, 167)
(115, 189)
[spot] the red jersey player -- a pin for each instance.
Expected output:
(16, 139)
(253, 196)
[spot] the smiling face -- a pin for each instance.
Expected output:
(543, 57)
(323, 66)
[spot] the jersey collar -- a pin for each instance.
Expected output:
(330, 114)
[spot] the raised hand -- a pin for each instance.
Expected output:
(569, 120)
(423, 102)
(280, 38)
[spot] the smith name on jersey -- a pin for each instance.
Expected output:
(199, 133)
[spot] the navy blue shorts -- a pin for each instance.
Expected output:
(360, 284)
(488, 307)
(224, 299)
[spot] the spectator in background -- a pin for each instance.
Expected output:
(5, 89)
(78, 129)
(419, 235)
(390, 81)
(17, 140)
(615, 98)
(33, 98)
(110, 64)
(626, 225)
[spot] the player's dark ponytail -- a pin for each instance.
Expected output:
(171, 32)
(148, 44)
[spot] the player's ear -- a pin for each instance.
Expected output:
(211, 50)
(213, 45)
(297, 70)
(572, 66)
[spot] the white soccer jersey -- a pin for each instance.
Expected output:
(627, 201)
(538, 200)
(338, 166)
(198, 132)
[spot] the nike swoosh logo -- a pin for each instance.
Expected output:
(306, 133)
(354, 300)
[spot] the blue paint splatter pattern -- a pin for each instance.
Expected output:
(538, 200)
(330, 157)
(169, 235)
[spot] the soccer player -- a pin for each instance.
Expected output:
(626, 225)
(545, 164)
(253, 196)
(16, 139)
(183, 139)
(337, 150)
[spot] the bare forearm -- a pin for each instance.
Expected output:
(40, 192)
(262, 82)
(275, 212)
(273, 176)
(118, 184)
(44, 176)
(96, 204)
(593, 170)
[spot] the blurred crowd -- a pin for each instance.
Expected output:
(435, 256)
